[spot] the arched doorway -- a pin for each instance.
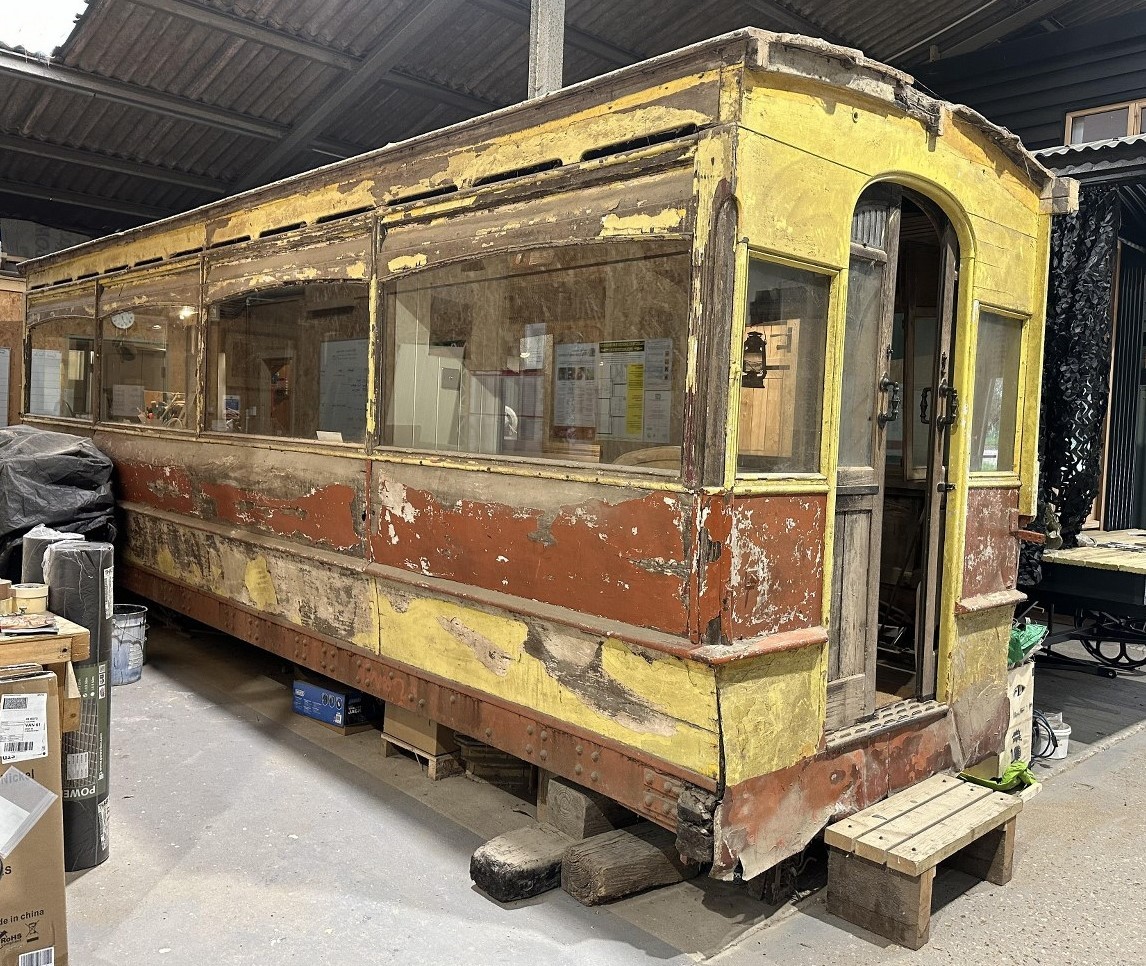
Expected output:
(897, 405)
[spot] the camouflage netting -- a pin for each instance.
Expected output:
(1076, 366)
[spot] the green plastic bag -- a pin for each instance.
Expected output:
(1024, 639)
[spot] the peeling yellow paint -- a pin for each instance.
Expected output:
(406, 263)
(772, 711)
(641, 224)
(260, 586)
(681, 708)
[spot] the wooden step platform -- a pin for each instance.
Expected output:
(881, 861)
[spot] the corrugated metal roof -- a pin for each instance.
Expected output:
(474, 58)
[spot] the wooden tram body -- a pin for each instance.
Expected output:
(574, 428)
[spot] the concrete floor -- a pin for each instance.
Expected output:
(242, 833)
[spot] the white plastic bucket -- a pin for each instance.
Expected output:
(1062, 736)
(128, 643)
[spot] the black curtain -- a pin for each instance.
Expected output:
(1076, 365)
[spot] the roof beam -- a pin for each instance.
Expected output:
(415, 23)
(90, 159)
(40, 193)
(92, 85)
(249, 30)
(789, 20)
(578, 39)
(1007, 25)
(470, 103)
(278, 39)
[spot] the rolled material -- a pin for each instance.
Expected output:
(35, 544)
(80, 588)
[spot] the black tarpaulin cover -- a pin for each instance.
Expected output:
(56, 479)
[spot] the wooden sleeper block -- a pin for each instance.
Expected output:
(621, 863)
(523, 863)
(581, 813)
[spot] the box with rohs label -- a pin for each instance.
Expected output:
(33, 918)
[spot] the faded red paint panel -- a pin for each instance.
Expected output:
(777, 563)
(628, 561)
(329, 516)
(991, 558)
(325, 515)
(163, 487)
(766, 819)
(712, 612)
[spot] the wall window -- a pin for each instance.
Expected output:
(994, 419)
(570, 353)
(60, 368)
(782, 390)
(1103, 123)
(148, 355)
(290, 361)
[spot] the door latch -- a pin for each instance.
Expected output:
(891, 388)
(950, 396)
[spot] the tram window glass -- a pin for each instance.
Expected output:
(994, 418)
(573, 353)
(290, 362)
(61, 368)
(148, 358)
(782, 390)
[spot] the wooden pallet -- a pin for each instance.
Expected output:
(55, 652)
(437, 766)
(881, 861)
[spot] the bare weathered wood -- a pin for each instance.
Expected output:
(846, 701)
(581, 813)
(523, 863)
(881, 900)
(621, 863)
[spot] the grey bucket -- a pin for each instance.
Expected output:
(128, 643)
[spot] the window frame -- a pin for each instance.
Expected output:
(1133, 118)
(271, 284)
(72, 300)
(542, 465)
(786, 480)
(1011, 477)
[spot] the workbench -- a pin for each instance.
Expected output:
(1102, 586)
(56, 652)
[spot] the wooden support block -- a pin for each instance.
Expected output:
(891, 904)
(437, 766)
(621, 863)
(581, 813)
(523, 863)
(69, 691)
(990, 857)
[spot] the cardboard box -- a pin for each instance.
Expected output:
(427, 736)
(1021, 691)
(33, 918)
(331, 703)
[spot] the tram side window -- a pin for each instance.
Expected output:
(290, 362)
(572, 353)
(148, 356)
(782, 387)
(60, 372)
(994, 419)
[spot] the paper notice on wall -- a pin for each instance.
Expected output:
(23, 727)
(635, 390)
(575, 391)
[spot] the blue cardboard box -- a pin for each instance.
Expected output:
(331, 704)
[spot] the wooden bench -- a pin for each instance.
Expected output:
(881, 861)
